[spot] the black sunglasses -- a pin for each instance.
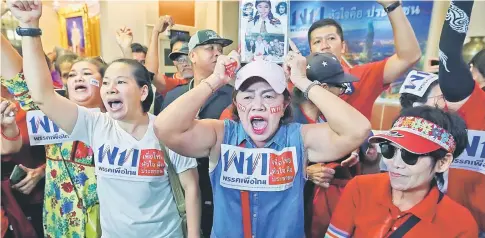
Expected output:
(342, 87)
(388, 151)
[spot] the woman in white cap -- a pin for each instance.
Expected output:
(257, 160)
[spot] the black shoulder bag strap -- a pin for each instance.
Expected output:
(410, 223)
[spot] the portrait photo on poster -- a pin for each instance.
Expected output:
(263, 30)
(75, 34)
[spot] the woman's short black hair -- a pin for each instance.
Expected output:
(142, 78)
(407, 99)
(287, 116)
(449, 121)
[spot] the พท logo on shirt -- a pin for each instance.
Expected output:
(129, 162)
(43, 131)
(258, 169)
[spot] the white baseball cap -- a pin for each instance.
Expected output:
(271, 72)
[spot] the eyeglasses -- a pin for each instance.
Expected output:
(388, 151)
(341, 87)
(183, 59)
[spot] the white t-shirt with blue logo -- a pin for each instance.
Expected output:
(133, 186)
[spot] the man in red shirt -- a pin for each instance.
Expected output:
(327, 36)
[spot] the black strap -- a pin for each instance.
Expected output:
(404, 228)
(410, 223)
(440, 197)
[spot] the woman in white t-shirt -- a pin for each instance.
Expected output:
(133, 187)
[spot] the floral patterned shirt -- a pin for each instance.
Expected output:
(70, 182)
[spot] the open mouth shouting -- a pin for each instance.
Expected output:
(115, 105)
(258, 124)
(79, 88)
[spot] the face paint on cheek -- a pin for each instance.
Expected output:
(275, 110)
(94, 82)
(241, 107)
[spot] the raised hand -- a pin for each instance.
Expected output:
(26, 12)
(295, 67)
(163, 23)
(8, 110)
(124, 37)
(226, 67)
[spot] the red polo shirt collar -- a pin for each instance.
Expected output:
(425, 210)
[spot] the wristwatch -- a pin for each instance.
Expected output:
(307, 90)
(392, 6)
(28, 31)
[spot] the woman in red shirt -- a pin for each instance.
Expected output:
(406, 202)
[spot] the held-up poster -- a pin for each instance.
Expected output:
(263, 30)
(366, 28)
